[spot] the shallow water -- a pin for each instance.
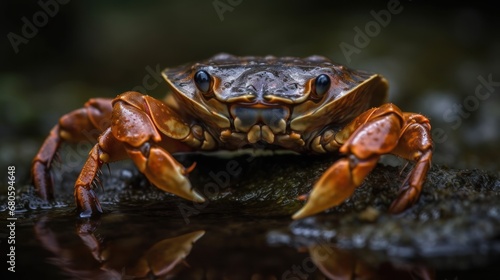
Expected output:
(245, 231)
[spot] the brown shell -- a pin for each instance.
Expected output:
(277, 80)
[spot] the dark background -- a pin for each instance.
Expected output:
(432, 57)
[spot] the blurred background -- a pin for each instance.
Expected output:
(443, 63)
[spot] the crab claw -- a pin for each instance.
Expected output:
(335, 186)
(166, 173)
(162, 258)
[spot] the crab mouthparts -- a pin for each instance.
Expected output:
(261, 122)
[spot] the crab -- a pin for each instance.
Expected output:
(95, 257)
(305, 105)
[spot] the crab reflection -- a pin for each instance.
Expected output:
(338, 264)
(122, 247)
(95, 258)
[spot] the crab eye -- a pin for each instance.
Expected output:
(321, 84)
(202, 81)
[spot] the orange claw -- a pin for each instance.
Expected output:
(336, 185)
(378, 131)
(137, 122)
(165, 172)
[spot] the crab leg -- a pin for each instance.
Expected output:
(84, 124)
(415, 144)
(377, 131)
(138, 126)
(108, 149)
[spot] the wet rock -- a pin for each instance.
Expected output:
(455, 224)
